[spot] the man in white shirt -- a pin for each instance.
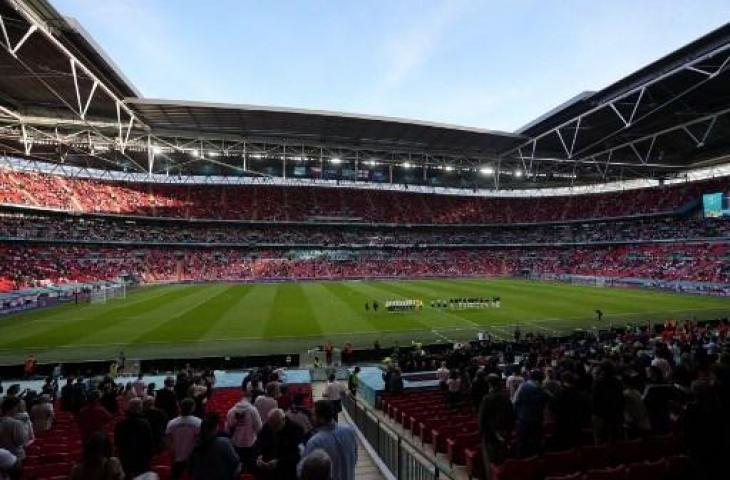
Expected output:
(333, 392)
(442, 375)
(267, 402)
(182, 434)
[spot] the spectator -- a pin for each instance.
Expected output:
(267, 402)
(157, 420)
(333, 392)
(453, 392)
(571, 409)
(134, 441)
(110, 398)
(93, 417)
(67, 396)
(636, 417)
(165, 399)
(243, 424)
(13, 434)
(396, 381)
(530, 400)
(182, 435)
(9, 465)
(479, 388)
(353, 381)
(607, 404)
(213, 457)
(442, 375)
(97, 462)
(316, 466)
(658, 397)
(41, 414)
(496, 421)
(339, 441)
(278, 447)
(705, 433)
(514, 381)
(299, 414)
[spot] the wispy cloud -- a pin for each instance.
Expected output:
(410, 46)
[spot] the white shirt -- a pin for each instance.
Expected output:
(442, 374)
(183, 433)
(333, 391)
(264, 404)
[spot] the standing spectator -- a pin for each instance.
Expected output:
(496, 421)
(514, 381)
(333, 392)
(658, 397)
(607, 401)
(571, 409)
(278, 447)
(316, 466)
(353, 381)
(267, 402)
(442, 375)
(182, 384)
(243, 424)
(636, 417)
(453, 392)
(93, 417)
(396, 381)
(41, 414)
(67, 396)
(157, 420)
(479, 388)
(97, 462)
(13, 436)
(110, 398)
(530, 400)
(133, 439)
(78, 394)
(182, 434)
(707, 441)
(213, 457)
(165, 399)
(299, 414)
(30, 366)
(139, 386)
(9, 465)
(339, 441)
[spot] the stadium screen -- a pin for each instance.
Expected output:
(716, 205)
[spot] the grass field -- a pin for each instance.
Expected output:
(241, 319)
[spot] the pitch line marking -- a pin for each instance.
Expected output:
(442, 336)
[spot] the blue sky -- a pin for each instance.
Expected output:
(489, 64)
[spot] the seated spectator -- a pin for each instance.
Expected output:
(41, 415)
(339, 441)
(278, 447)
(213, 457)
(93, 417)
(133, 440)
(243, 424)
(97, 462)
(316, 466)
(182, 434)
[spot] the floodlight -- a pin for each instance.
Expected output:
(486, 170)
(336, 160)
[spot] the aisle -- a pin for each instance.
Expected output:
(365, 468)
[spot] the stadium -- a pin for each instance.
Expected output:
(159, 238)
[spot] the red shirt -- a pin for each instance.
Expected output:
(93, 418)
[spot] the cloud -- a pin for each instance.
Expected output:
(410, 47)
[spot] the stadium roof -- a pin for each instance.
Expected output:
(63, 99)
(298, 125)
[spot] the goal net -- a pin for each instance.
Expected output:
(109, 291)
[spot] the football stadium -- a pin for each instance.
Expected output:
(208, 290)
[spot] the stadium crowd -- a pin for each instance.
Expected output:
(274, 203)
(38, 227)
(636, 393)
(23, 265)
(104, 430)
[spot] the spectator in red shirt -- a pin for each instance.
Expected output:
(93, 417)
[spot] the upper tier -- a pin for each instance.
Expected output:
(301, 204)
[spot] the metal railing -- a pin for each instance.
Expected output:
(402, 458)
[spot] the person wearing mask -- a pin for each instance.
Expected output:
(213, 457)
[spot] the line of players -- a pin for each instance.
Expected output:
(467, 303)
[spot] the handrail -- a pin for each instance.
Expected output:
(404, 459)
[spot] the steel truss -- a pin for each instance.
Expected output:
(629, 109)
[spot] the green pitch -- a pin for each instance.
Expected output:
(242, 319)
